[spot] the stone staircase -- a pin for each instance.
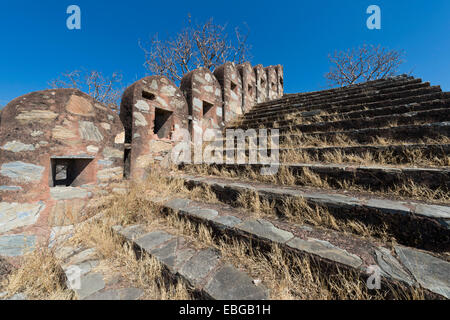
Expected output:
(373, 155)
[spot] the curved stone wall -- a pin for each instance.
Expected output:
(57, 148)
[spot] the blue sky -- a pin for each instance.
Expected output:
(37, 46)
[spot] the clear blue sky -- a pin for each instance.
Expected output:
(37, 46)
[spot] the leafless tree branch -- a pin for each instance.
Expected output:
(107, 90)
(196, 45)
(363, 64)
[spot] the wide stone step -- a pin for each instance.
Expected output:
(325, 107)
(402, 134)
(434, 115)
(88, 283)
(374, 178)
(398, 154)
(369, 95)
(204, 270)
(412, 223)
(330, 249)
(356, 112)
(337, 93)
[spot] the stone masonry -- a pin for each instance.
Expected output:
(248, 85)
(272, 83)
(280, 80)
(230, 81)
(153, 111)
(56, 146)
(204, 98)
(261, 83)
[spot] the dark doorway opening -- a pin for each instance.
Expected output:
(68, 171)
(163, 123)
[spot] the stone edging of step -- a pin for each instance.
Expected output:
(439, 213)
(412, 266)
(203, 269)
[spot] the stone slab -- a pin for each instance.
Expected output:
(431, 273)
(326, 250)
(153, 240)
(391, 267)
(199, 266)
(229, 283)
(89, 284)
(16, 245)
(266, 230)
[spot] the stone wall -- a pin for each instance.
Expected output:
(272, 83)
(153, 111)
(204, 97)
(261, 83)
(280, 80)
(248, 85)
(230, 81)
(57, 147)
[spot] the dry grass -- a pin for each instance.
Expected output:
(287, 277)
(406, 190)
(39, 277)
(411, 157)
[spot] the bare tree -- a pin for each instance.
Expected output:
(105, 89)
(363, 64)
(196, 45)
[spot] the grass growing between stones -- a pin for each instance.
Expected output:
(39, 277)
(287, 277)
(408, 190)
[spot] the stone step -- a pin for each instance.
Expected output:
(342, 91)
(369, 95)
(401, 154)
(204, 270)
(339, 112)
(325, 107)
(331, 250)
(373, 178)
(434, 115)
(401, 134)
(412, 223)
(405, 133)
(79, 265)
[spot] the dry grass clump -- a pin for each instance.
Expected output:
(39, 277)
(298, 211)
(251, 201)
(412, 157)
(143, 272)
(290, 277)
(406, 190)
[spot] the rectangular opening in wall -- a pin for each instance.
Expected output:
(233, 87)
(250, 90)
(207, 109)
(69, 171)
(263, 83)
(148, 95)
(163, 123)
